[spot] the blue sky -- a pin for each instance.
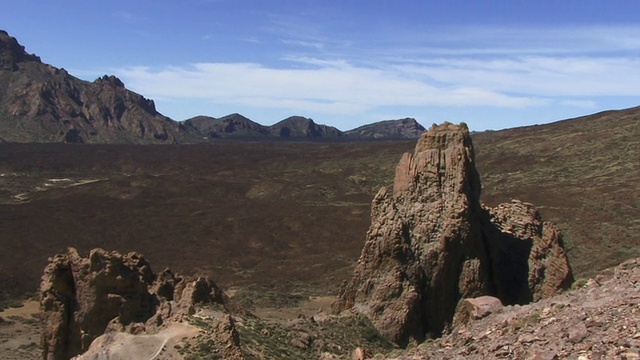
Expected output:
(491, 64)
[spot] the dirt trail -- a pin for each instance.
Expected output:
(116, 345)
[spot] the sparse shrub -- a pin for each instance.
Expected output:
(10, 303)
(371, 334)
(579, 283)
(530, 319)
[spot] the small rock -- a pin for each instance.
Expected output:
(527, 338)
(327, 355)
(577, 332)
(541, 354)
(298, 343)
(360, 354)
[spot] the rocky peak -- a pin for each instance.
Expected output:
(298, 126)
(431, 244)
(401, 129)
(110, 80)
(295, 126)
(12, 53)
(445, 155)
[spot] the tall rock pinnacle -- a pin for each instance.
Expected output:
(427, 247)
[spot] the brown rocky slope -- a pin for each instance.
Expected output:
(40, 103)
(431, 244)
(598, 320)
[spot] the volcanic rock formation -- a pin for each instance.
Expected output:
(82, 298)
(431, 244)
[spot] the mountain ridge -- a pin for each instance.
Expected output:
(42, 103)
(238, 126)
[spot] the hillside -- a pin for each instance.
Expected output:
(580, 173)
(298, 126)
(233, 125)
(407, 128)
(261, 209)
(597, 320)
(40, 103)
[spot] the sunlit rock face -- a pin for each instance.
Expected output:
(431, 244)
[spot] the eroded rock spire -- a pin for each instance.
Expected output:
(431, 244)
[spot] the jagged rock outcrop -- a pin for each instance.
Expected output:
(83, 297)
(12, 53)
(527, 254)
(431, 244)
(40, 103)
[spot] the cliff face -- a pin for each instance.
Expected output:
(40, 103)
(432, 244)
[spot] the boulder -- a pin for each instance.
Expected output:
(475, 308)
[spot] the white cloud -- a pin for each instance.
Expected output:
(539, 76)
(579, 103)
(330, 87)
(493, 68)
(308, 44)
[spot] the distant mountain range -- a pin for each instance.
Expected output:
(238, 126)
(41, 103)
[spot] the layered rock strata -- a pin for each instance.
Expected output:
(431, 244)
(527, 254)
(83, 297)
